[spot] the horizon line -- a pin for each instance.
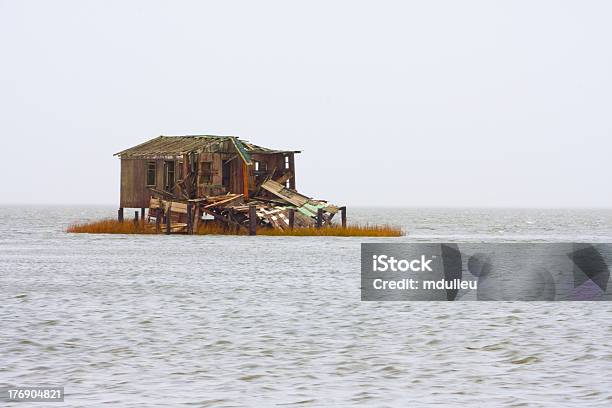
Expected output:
(423, 206)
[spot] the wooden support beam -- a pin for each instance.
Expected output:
(189, 219)
(169, 220)
(196, 219)
(120, 215)
(186, 165)
(136, 217)
(319, 218)
(292, 170)
(252, 219)
(343, 216)
(142, 214)
(291, 218)
(245, 181)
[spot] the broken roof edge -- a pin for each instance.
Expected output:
(243, 147)
(255, 151)
(138, 145)
(168, 136)
(242, 151)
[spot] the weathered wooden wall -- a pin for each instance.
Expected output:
(236, 179)
(133, 192)
(216, 184)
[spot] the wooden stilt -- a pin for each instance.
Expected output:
(136, 217)
(319, 218)
(343, 215)
(291, 218)
(142, 214)
(189, 219)
(120, 215)
(168, 220)
(252, 220)
(196, 219)
(158, 217)
(245, 182)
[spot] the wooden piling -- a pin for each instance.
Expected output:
(196, 218)
(292, 170)
(136, 217)
(189, 219)
(291, 218)
(158, 217)
(142, 214)
(120, 215)
(343, 215)
(168, 220)
(245, 182)
(252, 220)
(319, 218)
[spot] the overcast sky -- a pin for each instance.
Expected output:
(412, 103)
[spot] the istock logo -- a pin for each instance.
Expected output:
(384, 263)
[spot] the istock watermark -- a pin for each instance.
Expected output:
(486, 271)
(383, 263)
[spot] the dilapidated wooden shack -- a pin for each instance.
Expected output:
(222, 176)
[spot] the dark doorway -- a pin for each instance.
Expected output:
(169, 176)
(225, 174)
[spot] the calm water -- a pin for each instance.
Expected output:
(264, 321)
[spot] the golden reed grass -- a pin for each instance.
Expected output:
(111, 226)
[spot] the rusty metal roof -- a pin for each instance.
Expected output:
(179, 145)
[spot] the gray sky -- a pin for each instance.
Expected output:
(421, 103)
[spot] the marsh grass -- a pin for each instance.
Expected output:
(111, 226)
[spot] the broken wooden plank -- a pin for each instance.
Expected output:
(155, 203)
(223, 202)
(162, 193)
(177, 206)
(279, 190)
(278, 201)
(283, 179)
(219, 197)
(178, 227)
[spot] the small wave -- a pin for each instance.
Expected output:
(250, 377)
(526, 360)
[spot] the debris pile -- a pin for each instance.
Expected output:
(276, 206)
